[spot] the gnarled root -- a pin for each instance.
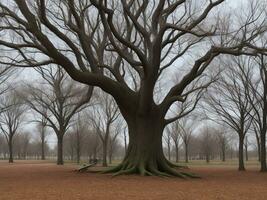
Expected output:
(161, 169)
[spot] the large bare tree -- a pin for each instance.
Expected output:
(124, 47)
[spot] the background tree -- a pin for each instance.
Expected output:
(257, 95)
(187, 125)
(41, 128)
(103, 117)
(58, 100)
(176, 138)
(229, 103)
(167, 138)
(11, 119)
(113, 141)
(222, 139)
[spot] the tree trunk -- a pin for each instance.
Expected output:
(43, 147)
(125, 141)
(259, 149)
(105, 149)
(246, 149)
(223, 152)
(186, 152)
(78, 151)
(60, 150)
(10, 148)
(145, 153)
(207, 157)
(241, 154)
(176, 153)
(169, 151)
(110, 158)
(263, 153)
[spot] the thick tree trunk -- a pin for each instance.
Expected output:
(145, 153)
(263, 153)
(60, 150)
(10, 148)
(241, 154)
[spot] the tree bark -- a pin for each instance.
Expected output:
(241, 166)
(60, 150)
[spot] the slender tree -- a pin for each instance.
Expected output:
(222, 139)
(228, 101)
(257, 95)
(11, 118)
(103, 117)
(113, 142)
(176, 138)
(167, 138)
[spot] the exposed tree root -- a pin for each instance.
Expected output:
(163, 169)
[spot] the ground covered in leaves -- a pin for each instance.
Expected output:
(46, 181)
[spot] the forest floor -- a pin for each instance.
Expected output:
(34, 180)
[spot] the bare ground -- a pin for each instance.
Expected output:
(46, 181)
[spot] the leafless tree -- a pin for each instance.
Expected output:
(11, 118)
(186, 126)
(107, 43)
(42, 134)
(103, 116)
(257, 95)
(176, 138)
(113, 141)
(57, 101)
(222, 139)
(21, 144)
(80, 129)
(207, 140)
(228, 101)
(167, 138)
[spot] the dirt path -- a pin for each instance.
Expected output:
(50, 182)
